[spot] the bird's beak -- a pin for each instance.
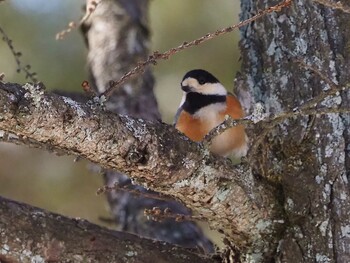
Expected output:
(186, 88)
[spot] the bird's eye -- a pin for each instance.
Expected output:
(201, 81)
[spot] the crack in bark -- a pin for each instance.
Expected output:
(333, 221)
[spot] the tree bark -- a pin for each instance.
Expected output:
(308, 156)
(29, 234)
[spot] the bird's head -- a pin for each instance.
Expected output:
(202, 82)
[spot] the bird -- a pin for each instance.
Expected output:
(204, 105)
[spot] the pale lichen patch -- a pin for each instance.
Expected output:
(318, 179)
(258, 113)
(345, 231)
(75, 106)
(181, 184)
(36, 93)
(290, 203)
(262, 225)
(78, 258)
(343, 196)
(188, 163)
(323, 227)
(326, 191)
(222, 194)
(139, 130)
(271, 50)
(37, 259)
(322, 258)
(254, 257)
(131, 253)
(4, 249)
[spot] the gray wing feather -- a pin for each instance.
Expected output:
(179, 110)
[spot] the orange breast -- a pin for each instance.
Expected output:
(192, 127)
(233, 140)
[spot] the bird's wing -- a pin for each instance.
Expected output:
(177, 115)
(234, 108)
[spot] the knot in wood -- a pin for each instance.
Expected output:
(135, 156)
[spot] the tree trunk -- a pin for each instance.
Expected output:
(308, 157)
(114, 49)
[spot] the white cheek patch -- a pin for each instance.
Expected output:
(207, 89)
(190, 82)
(212, 89)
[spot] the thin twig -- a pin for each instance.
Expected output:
(152, 59)
(257, 116)
(272, 122)
(159, 215)
(136, 192)
(335, 5)
(308, 108)
(334, 88)
(90, 8)
(26, 69)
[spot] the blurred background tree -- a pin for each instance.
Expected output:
(55, 183)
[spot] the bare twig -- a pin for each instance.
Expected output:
(26, 69)
(335, 5)
(308, 108)
(158, 215)
(136, 192)
(257, 116)
(152, 59)
(334, 88)
(90, 8)
(271, 121)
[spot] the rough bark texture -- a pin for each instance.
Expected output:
(154, 154)
(308, 157)
(29, 234)
(118, 37)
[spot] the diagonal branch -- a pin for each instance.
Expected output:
(152, 59)
(269, 122)
(153, 154)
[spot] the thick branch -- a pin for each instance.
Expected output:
(153, 154)
(31, 234)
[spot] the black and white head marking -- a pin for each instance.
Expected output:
(201, 89)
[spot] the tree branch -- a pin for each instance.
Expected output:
(153, 154)
(152, 59)
(31, 234)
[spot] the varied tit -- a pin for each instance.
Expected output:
(204, 104)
